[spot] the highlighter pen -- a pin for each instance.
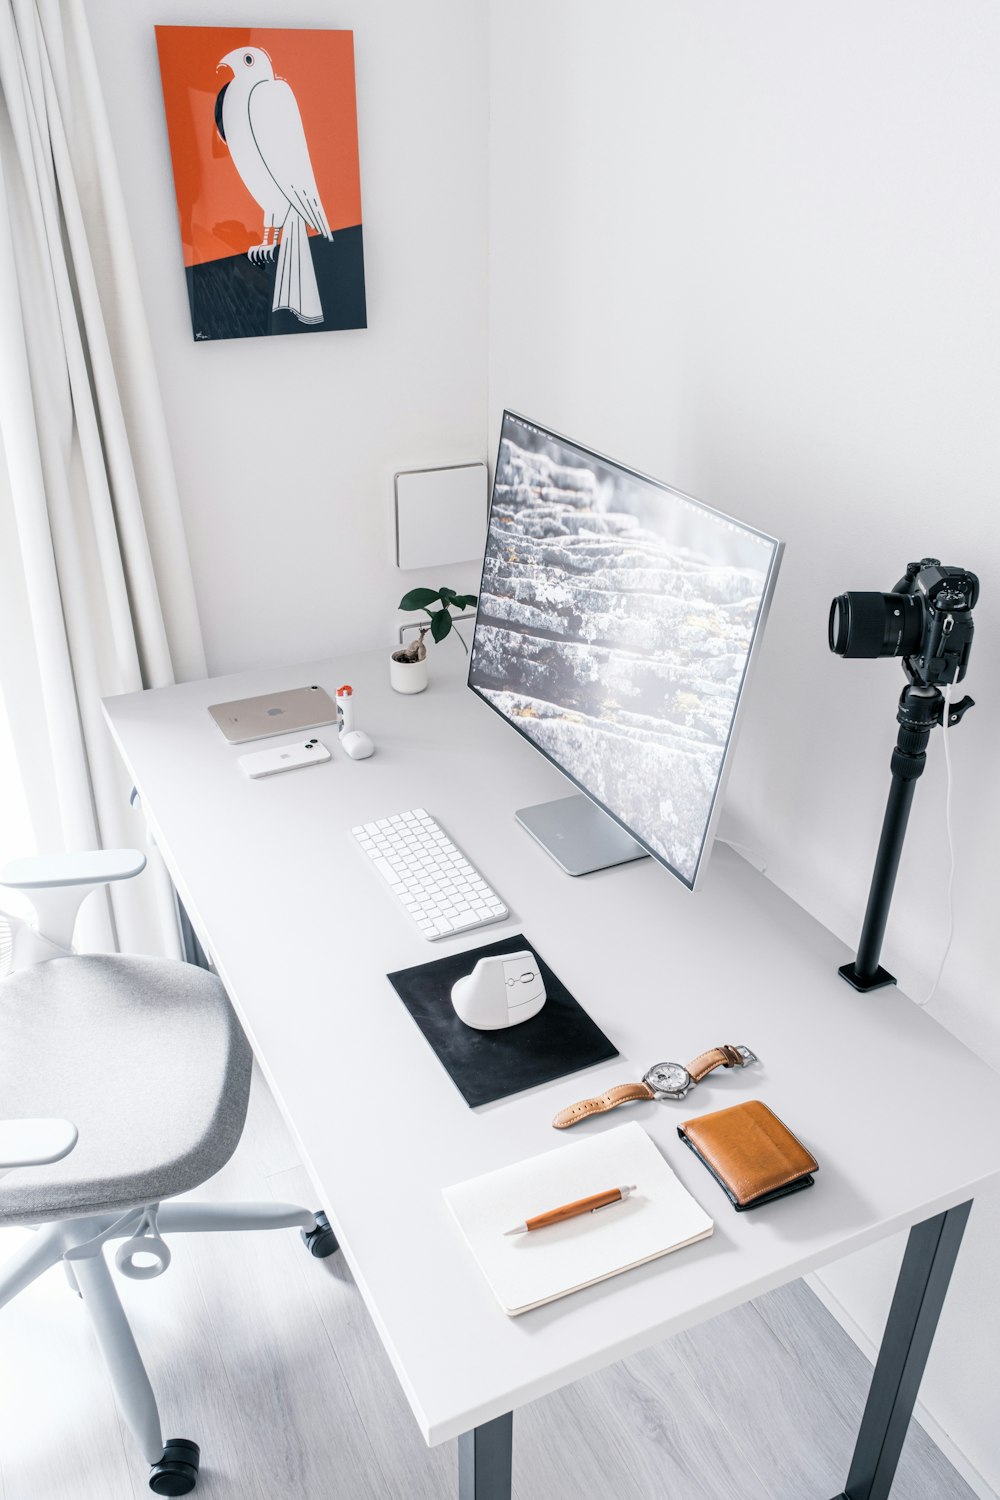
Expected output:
(571, 1210)
(345, 709)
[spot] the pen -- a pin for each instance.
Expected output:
(571, 1210)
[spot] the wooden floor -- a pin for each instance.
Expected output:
(269, 1360)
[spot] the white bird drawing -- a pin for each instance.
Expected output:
(258, 117)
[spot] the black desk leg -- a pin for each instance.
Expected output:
(909, 1332)
(191, 950)
(484, 1460)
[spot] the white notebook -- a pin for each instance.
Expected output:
(527, 1270)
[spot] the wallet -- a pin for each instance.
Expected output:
(752, 1156)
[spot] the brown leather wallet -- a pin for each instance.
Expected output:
(752, 1156)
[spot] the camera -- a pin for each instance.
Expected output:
(927, 620)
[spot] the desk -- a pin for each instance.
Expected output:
(904, 1120)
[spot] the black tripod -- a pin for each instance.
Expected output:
(920, 708)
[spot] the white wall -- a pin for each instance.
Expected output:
(285, 447)
(753, 251)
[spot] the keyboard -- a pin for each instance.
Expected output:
(429, 875)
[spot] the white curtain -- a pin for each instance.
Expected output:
(96, 595)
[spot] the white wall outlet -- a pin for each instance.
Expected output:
(440, 515)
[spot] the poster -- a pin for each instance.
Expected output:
(264, 145)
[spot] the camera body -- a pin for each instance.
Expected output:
(926, 620)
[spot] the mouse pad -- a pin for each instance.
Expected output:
(488, 1065)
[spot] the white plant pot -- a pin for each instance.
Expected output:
(408, 676)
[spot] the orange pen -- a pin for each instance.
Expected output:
(571, 1210)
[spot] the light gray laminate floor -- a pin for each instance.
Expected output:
(270, 1361)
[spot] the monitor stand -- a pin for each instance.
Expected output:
(578, 835)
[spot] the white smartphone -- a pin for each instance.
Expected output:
(284, 758)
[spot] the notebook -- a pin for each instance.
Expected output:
(528, 1270)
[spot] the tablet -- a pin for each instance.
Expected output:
(274, 713)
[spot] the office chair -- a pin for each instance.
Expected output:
(123, 1082)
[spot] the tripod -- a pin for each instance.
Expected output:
(921, 706)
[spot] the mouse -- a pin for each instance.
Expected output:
(501, 991)
(356, 744)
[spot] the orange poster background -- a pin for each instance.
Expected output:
(218, 217)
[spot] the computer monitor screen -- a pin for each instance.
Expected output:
(617, 619)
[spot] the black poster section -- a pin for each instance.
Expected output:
(231, 298)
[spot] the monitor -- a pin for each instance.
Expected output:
(617, 622)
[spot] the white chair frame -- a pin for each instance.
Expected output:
(56, 887)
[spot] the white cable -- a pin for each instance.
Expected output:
(945, 724)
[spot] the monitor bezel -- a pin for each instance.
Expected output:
(691, 884)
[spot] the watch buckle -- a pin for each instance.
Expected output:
(747, 1056)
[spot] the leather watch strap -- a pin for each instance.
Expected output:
(715, 1057)
(622, 1093)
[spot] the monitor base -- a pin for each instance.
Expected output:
(578, 835)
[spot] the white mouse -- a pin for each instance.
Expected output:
(356, 744)
(501, 991)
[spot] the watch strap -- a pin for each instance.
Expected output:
(622, 1093)
(716, 1057)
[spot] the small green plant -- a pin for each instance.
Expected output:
(440, 618)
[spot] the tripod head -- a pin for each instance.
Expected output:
(920, 708)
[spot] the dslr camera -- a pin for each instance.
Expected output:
(927, 620)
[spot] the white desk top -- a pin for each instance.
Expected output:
(903, 1119)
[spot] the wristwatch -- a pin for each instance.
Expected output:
(664, 1080)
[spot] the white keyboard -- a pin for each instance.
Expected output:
(429, 875)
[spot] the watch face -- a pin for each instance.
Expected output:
(668, 1078)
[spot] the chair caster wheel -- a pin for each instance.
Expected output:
(320, 1241)
(177, 1471)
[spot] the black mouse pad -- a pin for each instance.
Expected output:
(488, 1065)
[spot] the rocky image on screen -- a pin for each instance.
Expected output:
(615, 621)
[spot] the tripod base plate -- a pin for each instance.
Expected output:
(876, 981)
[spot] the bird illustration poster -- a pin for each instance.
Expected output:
(263, 135)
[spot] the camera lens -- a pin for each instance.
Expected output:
(867, 624)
